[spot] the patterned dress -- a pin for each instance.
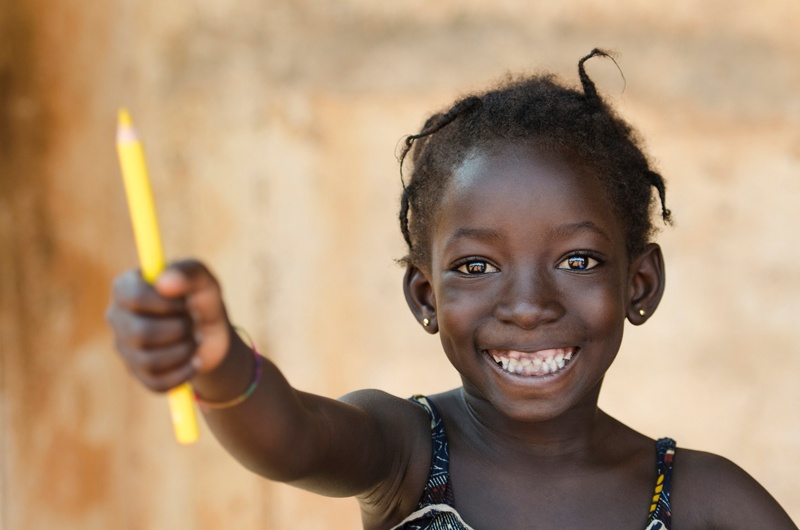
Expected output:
(436, 512)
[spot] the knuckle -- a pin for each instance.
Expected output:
(120, 347)
(146, 361)
(124, 284)
(156, 384)
(196, 270)
(165, 359)
(155, 362)
(116, 286)
(160, 386)
(110, 314)
(134, 358)
(144, 331)
(139, 331)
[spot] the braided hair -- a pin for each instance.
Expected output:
(578, 125)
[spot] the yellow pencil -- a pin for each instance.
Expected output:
(151, 256)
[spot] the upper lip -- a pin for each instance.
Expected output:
(530, 349)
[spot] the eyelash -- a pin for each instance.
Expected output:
(591, 262)
(465, 264)
(588, 259)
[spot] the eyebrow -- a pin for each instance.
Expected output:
(570, 229)
(562, 231)
(474, 233)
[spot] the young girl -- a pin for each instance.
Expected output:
(527, 216)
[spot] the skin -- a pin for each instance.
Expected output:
(526, 255)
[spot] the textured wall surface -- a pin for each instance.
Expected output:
(271, 128)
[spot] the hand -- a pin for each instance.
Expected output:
(170, 331)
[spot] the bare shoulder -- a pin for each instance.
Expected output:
(390, 410)
(405, 428)
(710, 491)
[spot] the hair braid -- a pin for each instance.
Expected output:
(435, 123)
(658, 183)
(432, 125)
(405, 204)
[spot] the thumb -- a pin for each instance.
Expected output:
(193, 281)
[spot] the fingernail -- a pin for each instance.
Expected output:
(197, 362)
(169, 275)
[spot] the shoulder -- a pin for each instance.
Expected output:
(710, 491)
(406, 434)
(388, 409)
(394, 415)
(397, 412)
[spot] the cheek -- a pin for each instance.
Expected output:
(602, 311)
(459, 314)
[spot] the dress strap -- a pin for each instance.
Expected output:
(660, 510)
(437, 489)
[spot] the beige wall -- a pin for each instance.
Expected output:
(271, 128)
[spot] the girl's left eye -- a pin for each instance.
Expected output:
(579, 263)
(475, 267)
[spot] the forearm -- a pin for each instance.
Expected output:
(287, 435)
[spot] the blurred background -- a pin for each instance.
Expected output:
(270, 128)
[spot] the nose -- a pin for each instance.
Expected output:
(529, 298)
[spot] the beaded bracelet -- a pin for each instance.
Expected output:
(238, 399)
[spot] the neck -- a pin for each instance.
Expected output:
(575, 432)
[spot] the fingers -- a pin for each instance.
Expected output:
(166, 380)
(131, 292)
(191, 279)
(161, 369)
(159, 350)
(203, 297)
(149, 332)
(158, 361)
(169, 331)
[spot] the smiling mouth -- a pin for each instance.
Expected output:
(538, 363)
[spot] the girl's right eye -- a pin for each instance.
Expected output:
(475, 267)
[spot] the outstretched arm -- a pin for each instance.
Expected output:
(178, 330)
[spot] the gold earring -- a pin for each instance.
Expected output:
(642, 312)
(426, 322)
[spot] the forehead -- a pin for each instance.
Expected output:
(523, 188)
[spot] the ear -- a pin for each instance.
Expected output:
(420, 298)
(646, 284)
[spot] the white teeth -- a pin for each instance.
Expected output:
(523, 363)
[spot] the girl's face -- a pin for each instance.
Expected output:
(529, 281)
